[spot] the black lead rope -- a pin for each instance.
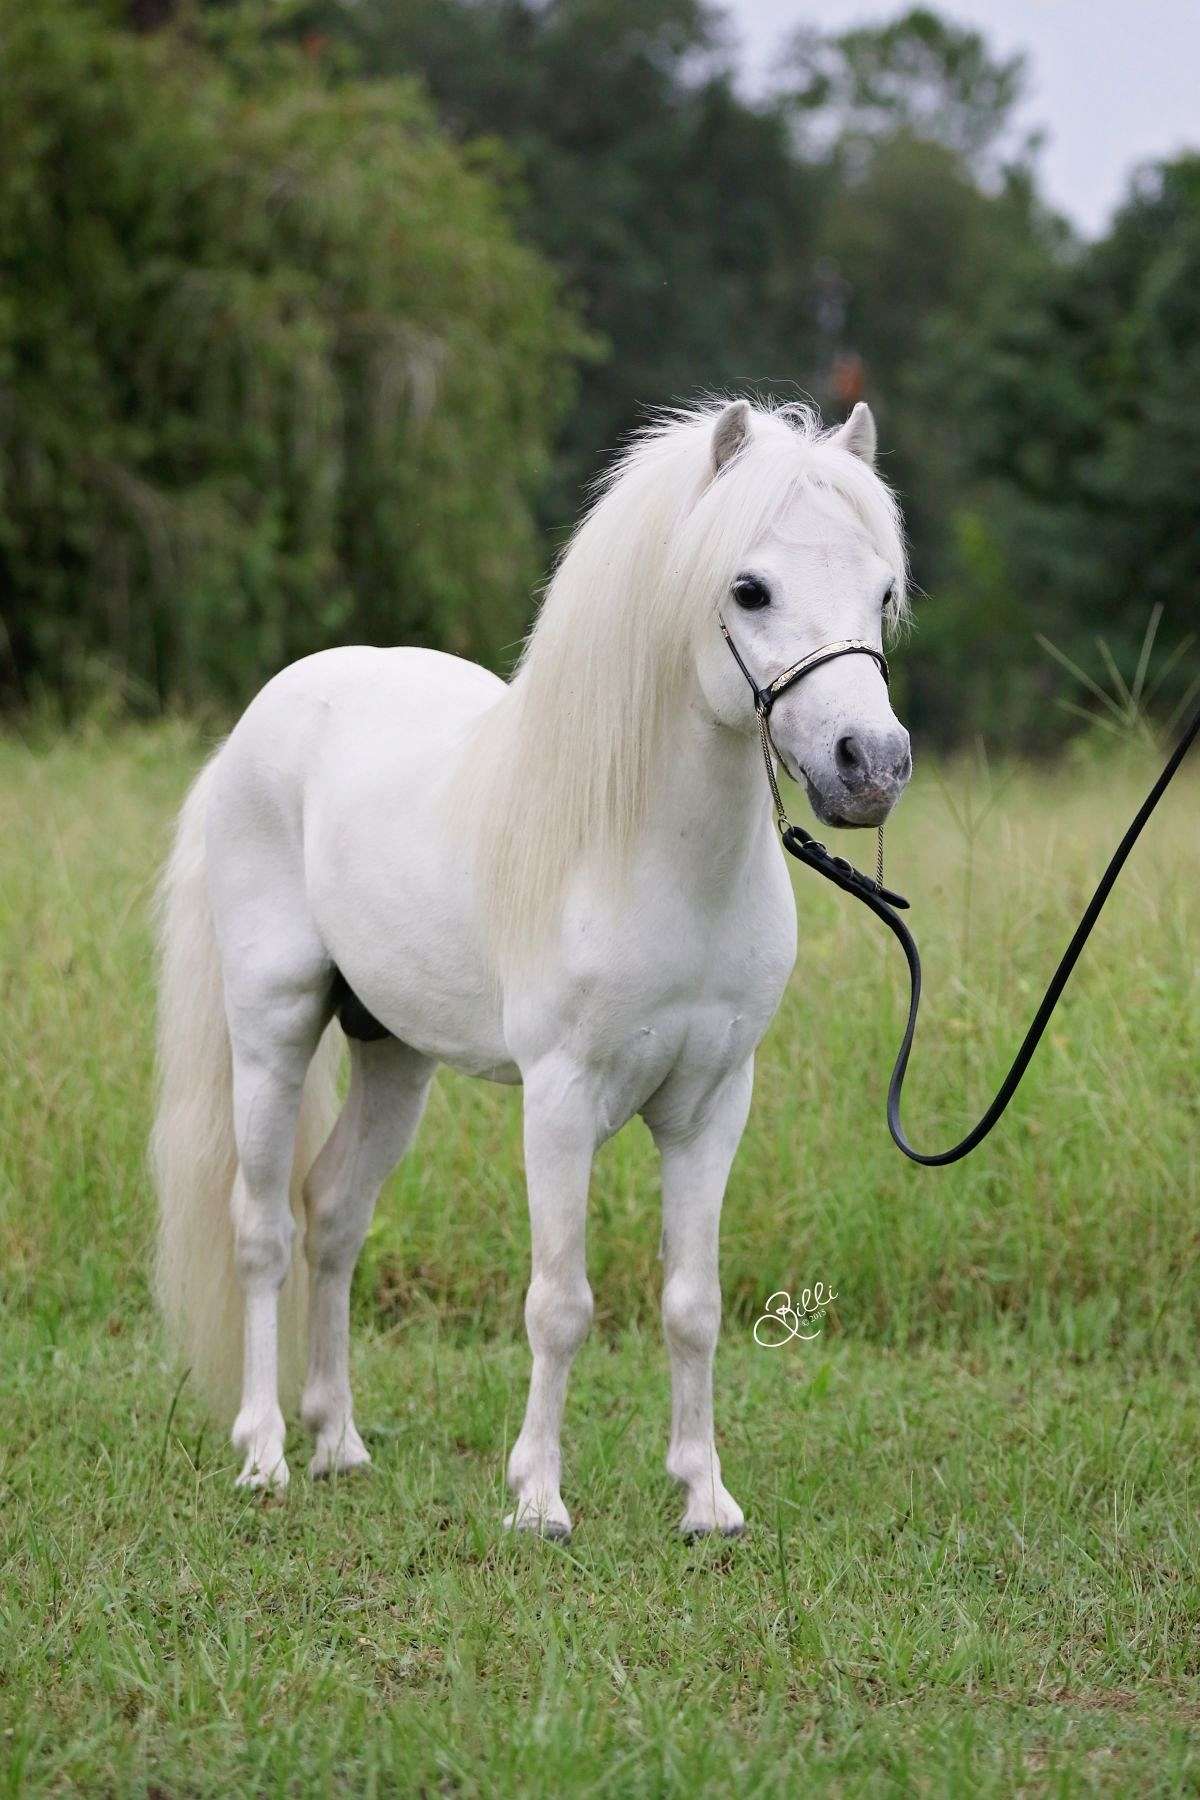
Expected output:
(888, 906)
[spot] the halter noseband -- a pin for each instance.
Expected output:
(765, 698)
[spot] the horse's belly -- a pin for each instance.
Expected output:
(422, 999)
(401, 929)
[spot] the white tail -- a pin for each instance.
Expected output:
(192, 1147)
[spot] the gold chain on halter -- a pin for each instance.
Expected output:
(768, 750)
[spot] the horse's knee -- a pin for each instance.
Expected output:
(558, 1313)
(691, 1311)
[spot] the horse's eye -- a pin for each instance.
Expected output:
(751, 593)
(889, 596)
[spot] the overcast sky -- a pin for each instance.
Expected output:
(1114, 82)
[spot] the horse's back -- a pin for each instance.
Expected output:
(341, 711)
(343, 693)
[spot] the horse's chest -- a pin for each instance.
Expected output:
(680, 1018)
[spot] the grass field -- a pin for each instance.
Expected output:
(972, 1559)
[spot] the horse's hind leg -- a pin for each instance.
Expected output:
(388, 1086)
(274, 1029)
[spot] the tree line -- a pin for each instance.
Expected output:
(317, 320)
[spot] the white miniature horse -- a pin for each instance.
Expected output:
(571, 881)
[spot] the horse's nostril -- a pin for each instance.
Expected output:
(852, 764)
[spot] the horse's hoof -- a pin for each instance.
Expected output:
(555, 1531)
(693, 1534)
(324, 1465)
(262, 1477)
(339, 1453)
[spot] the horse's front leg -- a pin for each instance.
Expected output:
(560, 1141)
(696, 1159)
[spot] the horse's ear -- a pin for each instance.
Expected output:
(858, 433)
(730, 432)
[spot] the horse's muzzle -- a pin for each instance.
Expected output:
(871, 770)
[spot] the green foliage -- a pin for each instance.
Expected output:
(1039, 402)
(675, 210)
(275, 371)
(1084, 402)
(918, 74)
(924, 252)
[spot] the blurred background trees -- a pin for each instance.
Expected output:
(316, 320)
(275, 369)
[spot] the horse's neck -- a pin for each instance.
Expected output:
(710, 803)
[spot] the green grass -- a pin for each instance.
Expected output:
(971, 1566)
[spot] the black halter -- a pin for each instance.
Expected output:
(765, 698)
(886, 906)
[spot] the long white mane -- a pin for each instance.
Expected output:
(561, 766)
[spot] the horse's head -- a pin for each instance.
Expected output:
(825, 567)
